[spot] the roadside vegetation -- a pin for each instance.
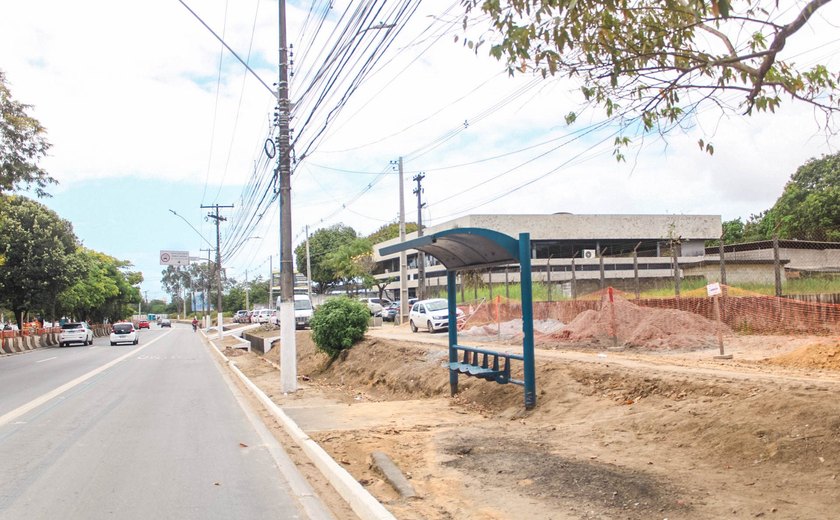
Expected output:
(338, 324)
(45, 272)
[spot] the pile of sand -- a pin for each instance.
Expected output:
(512, 329)
(643, 327)
(824, 355)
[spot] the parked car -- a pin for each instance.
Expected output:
(264, 316)
(143, 324)
(391, 312)
(375, 305)
(75, 332)
(124, 332)
(239, 316)
(166, 322)
(432, 314)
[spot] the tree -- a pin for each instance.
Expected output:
(733, 231)
(809, 207)
(22, 144)
(656, 62)
(347, 262)
(321, 244)
(104, 288)
(389, 231)
(37, 255)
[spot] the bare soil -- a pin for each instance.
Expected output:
(637, 434)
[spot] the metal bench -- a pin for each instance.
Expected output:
(485, 364)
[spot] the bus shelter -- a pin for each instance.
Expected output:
(463, 249)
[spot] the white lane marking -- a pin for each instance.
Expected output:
(49, 358)
(31, 405)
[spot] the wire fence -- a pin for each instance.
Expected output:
(771, 287)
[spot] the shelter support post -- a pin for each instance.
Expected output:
(527, 321)
(451, 289)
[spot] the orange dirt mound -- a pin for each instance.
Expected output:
(643, 327)
(825, 355)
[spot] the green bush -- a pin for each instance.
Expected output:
(338, 324)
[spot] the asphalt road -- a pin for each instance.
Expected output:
(148, 431)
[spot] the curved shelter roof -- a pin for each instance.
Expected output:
(463, 248)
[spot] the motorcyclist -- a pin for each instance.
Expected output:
(195, 324)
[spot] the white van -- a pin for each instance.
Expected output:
(303, 310)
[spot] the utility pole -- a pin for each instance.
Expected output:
(308, 268)
(403, 254)
(219, 219)
(288, 351)
(247, 289)
(270, 280)
(421, 257)
(206, 305)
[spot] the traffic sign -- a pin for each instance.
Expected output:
(176, 258)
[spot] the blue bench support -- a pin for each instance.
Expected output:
(482, 363)
(471, 248)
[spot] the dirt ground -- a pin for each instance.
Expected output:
(631, 434)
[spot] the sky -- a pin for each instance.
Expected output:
(148, 114)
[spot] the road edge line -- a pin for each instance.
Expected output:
(360, 500)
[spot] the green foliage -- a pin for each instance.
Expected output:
(37, 256)
(808, 209)
(654, 63)
(389, 231)
(104, 288)
(733, 231)
(22, 144)
(338, 324)
(323, 242)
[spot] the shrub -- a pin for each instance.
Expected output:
(338, 324)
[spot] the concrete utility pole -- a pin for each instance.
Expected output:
(206, 306)
(421, 257)
(308, 268)
(403, 254)
(288, 351)
(247, 290)
(219, 219)
(270, 281)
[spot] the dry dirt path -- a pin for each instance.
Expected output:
(630, 435)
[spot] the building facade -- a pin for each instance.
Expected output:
(579, 252)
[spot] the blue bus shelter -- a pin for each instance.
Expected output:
(475, 248)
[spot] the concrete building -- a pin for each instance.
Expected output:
(580, 253)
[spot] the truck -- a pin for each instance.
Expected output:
(303, 310)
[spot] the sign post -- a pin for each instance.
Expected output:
(714, 291)
(176, 258)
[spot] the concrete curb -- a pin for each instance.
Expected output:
(393, 474)
(359, 499)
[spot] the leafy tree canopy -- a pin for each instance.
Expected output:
(323, 242)
(389, 231)
(23, 143)
(103, 289)
(809, 207)
(658, 61)
(37, 255)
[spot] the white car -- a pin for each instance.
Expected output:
(124, 332)
(303, 311)
(432, 314)
(375, 305)
(75, 332)
(265, 316)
